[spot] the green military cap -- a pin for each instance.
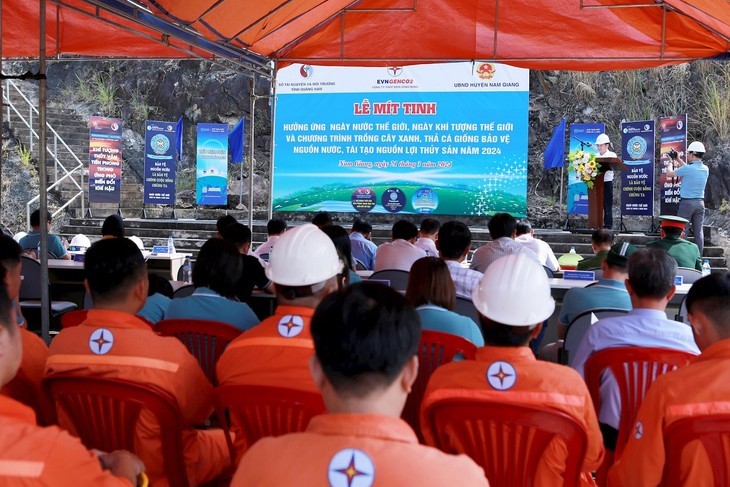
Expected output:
(673, 221)
(620, 253)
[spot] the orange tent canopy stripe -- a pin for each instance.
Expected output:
(543, 34)
(69, 31)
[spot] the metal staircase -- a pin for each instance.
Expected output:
(68, 169)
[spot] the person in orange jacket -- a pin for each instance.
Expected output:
(304, 268)
(365, 339)
(112, 342)
(32, 455)
(35, 350)
(513, 300)
(698, 389)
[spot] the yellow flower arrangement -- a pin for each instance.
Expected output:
(584, 165)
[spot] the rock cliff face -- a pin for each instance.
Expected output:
(204, 92)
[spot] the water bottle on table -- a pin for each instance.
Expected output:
(187, 271)
(170, 245)
(706, 269)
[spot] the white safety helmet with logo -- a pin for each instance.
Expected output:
(602, 139)
(80, 242)
(514, 291)
(698, 148)
(304, 256)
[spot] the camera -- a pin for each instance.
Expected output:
(673, 154)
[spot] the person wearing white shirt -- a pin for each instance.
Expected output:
(525, 235)
(274, 228)
(603, 143)
(502, 231)
(427, 236)
(651, 287)
(454, 243)
(400, 253)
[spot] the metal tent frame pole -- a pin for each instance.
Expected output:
(252, 96)
(272, 93)
(42, 174)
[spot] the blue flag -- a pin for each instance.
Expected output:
(179, 138)
(235, 143)
(555, 150)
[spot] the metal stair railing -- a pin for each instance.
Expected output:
(52, 149)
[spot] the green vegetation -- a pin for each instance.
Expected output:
(138, 104)
(715, 101)
(724, 206)
(25, 155)
(99, 90)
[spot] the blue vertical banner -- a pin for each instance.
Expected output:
(159, 163)
(235, 143)
(637, 182)
(212, 164)
(672, 135)
(105, 160)
(582, 138)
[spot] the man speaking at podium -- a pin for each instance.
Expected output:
(602, 143)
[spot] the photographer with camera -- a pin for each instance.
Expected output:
(694, 176)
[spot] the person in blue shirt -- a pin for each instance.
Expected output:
(694, 176)
(30, 241)
(431, 290)
(216, 272)
(159, 296)
(339, 237)
(363, 249)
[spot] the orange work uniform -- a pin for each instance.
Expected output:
(353, 450)
(119, 345)
(32, 455)
(32, 364)
(276, 352)
(513, 375)
(700, 388)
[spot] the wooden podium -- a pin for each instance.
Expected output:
(595, 194)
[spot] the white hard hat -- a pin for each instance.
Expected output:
(137, 241)
(514, 291)
(303, 256)
(19, 236)
(696, 147)
(80, 240)
(602, 139)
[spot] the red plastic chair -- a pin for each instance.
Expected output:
(104, 412)
(254, 412)
(507, 440)
(73, 318)
(206, 340)
(434, 350)
(713, 432)
(635, 370)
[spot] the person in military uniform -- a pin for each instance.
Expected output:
(684, 252)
